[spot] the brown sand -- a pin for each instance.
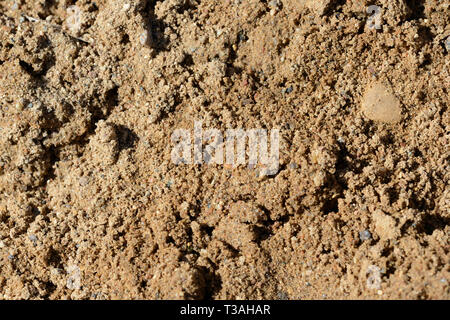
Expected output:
(92, 207)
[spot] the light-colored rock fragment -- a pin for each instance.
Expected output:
(380, 104)
(74, 19)
(319, 7)
(104, 146)
(385, 225)
(395, 11)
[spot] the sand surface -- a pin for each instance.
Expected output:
(93, 207)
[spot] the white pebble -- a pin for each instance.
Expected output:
(74, 19)
(144, 38)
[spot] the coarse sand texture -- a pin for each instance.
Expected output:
(350, 97)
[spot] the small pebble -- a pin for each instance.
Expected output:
(84, 181)
(74, 18)
(365, 235)
(144, 38)
(379, 104)
(283, 296)
(20, 105)
(293, 166)
(274, 3)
